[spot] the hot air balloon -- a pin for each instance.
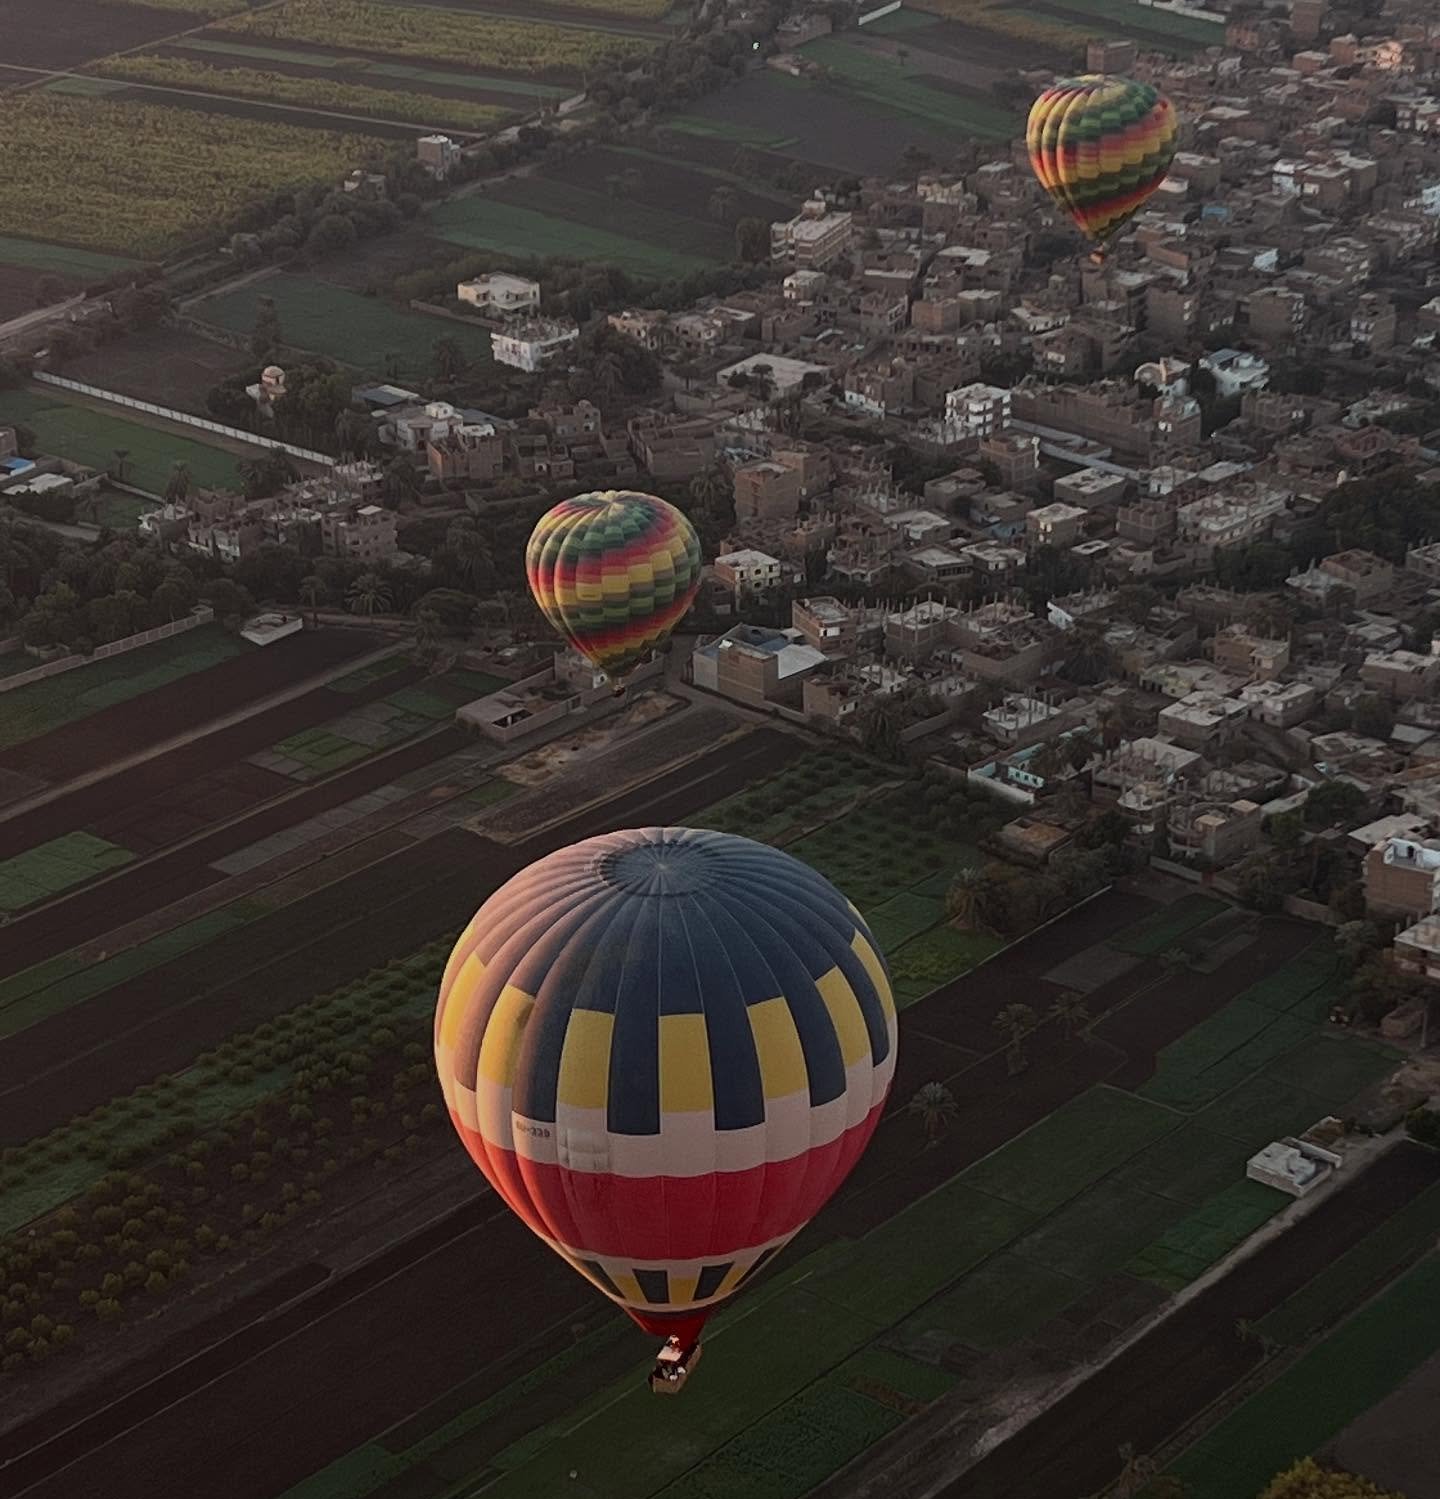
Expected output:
(614, 572)
(1100, 146)
(666, 1049)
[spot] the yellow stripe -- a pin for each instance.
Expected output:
(457, 1000)
(503, 1035)
(844, 1010)
(777, 1045)
(732, 1279)
(585, 1060)
(682, 1289)
(628, 1286)
(874, 969)
(685, 1082)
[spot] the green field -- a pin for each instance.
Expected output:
(1126, 18)
(1360, 1363)
(369, 335)
(47, 869)
(83, 265)
(1165, 928)
(885, 80)
(599, 209)
(483, 223)
(30, 711)
(118, 510)
(360, 68)
(88, 435)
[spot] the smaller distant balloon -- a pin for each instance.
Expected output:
(614, 572)
(1100, 146)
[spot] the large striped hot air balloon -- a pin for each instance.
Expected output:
(614, 572)
(1100, 146)
(666, 1049)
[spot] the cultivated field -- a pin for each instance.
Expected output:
(143, 180)
(89, 435)
(210, 8)
(39, 34)
(165, 365)
(450, 36)
(1067, 24)
(318, 92)
(372, 336)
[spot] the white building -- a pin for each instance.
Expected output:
(976, 410)
(530, 345)
(1292, 1166)
(749, 571)
(1236, 372)
(499, 292)
(813, 238)
(1227, 520)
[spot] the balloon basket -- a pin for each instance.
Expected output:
(673, 1366)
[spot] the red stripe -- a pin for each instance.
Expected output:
(649, 1218)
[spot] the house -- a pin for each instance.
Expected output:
(1281, 705)
(366, 533)
(1091, 489)
(1235, 373)
(1237, 650)
(1218, 832)
(1201, 720)
(532, 344)
(757, 666)
(1401, 674)
(1367, 576)
(814, 238)
(826, 624)
(1057, 525)
(438, 155)
(976, 410)
(1402, 876)
(749, 571)
(466, 452)
(672, 446)
(500, 293)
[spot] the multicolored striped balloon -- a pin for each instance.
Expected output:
(1100, 146)
(666, 1049)
(614, 572)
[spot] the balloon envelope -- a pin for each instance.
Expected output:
(614, 572)
(1100, 146)
(666, 1049)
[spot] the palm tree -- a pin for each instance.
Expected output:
(122, 462)
(399, 478)
(1071, 1012)
(962, 899)
(472, 551)
(428, 629)
(313, 593)
(609, 375)
(762, 382)
(448, 359)
(177, 486)
(722, 203)
(368, 594)
(709, 486)
(1014, 1023)
(934, 1105)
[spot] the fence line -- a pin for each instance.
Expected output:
(197, 617)
(186, 419)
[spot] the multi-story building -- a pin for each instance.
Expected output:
(672, 446)
(1401, 675)
(501, 293)
(1237, 650)
(748, 571)
(1226, 520)
(977, 410)
(1368, 577)
(438, 155)
(1016, 456)
(1057, 525)
(1217, 832)
(1276, 315)
(814, 238)
(1372, 323)
(533, 343)
(1201, 720)
(1091, 489)
(1149, 523)
(1280, 705)
(826, 624)
(756, 666)
(365, 534)
(649, 327)
(1402, 876)
(466, 452)
(1235, 372)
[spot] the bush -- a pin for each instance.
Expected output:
(155, 1282)
(1423, 1125)
(107, 1310)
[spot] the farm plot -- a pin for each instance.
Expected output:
(316, 91)
(144, 180)
(370, 335)
(830, 127)
(905, 86)
(507, 45)
(39, 34)
(90, 436)
(214, 9)
(59, 700)
(672, 181)
(1162, 29)
(485, 223)
(56, 866)
(164, 365)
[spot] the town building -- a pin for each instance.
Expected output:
(1402, 877)
(501, 294)
(748, 572)
(1056, 525)
(814, 238)
(438, 155)
(531, 344)
(975, 411)
(757, 666)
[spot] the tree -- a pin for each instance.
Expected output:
(368, 594)
(1334, 803)
(1374, 717)
(934, 1105)
(752, 240)
(609, 375)
(1286, 830)
(313, 593)
(447, 360)
(1308, 1480)
(122, 462)
(177, 486)
(962, 899)
(1071, 1012)
(265, 337)
(762, 381)
(1013, 1024)
(710, 486)
(471, 552)
(428, 629)
(722, 203)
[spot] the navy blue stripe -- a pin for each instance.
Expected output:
(654, 1286)
(633, 1099)
(711, 1279)
(598, 1271)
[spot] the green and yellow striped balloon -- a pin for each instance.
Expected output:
(614, 572)
(1100, 146)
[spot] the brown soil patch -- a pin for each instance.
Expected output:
(42, 34)
(164, 365)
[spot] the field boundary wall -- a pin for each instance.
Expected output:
(197, 617)
(309, 455)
